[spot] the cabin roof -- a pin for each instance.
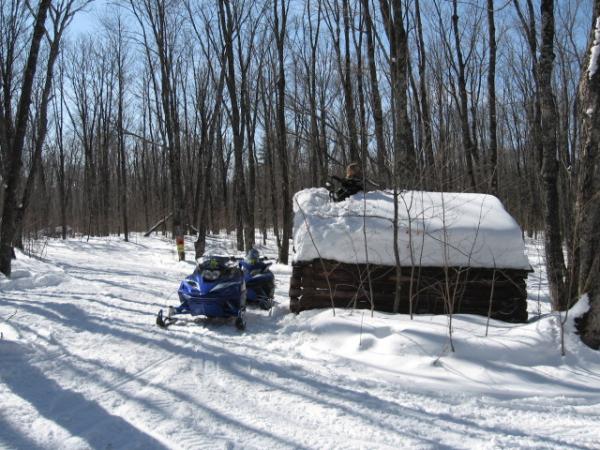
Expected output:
(436, 229)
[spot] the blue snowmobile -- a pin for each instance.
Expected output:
(260, 281)
(215, 289)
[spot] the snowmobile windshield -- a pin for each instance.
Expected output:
(215, 263)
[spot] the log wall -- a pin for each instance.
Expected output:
(431, 290)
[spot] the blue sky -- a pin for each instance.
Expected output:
(88, 19)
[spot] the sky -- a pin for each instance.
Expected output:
(87, 20)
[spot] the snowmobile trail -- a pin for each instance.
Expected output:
(84, 366)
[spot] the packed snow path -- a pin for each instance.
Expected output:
(84, 366)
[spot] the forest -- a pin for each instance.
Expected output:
(210, 115)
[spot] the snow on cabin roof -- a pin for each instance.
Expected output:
(441, 228)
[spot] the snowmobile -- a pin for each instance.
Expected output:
(216, 289)
(260, 281)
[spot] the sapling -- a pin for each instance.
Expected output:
(366, 246)
(539, 305)
(361, 330)
(448, 298)
(487, 324)
(411, 251)
(452, 291)
(396, 252)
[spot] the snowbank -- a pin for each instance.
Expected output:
(512, 361)
(29, 273)
(436, 230)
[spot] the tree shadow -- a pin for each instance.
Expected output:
(77, 319)
(97, 427)
(12, 438)
(289, 379)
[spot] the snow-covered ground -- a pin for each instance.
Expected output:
(82, 365)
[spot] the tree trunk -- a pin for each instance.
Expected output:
(241, 204)
(467, 139)
(280, 24)
(405, 161)
(213, 133)
(14, 152)
(382, 170)
(42, 129)
(588, 192)
(553, 238)
(424, 95)
(534, 118)
(120, 133)
(346, 75)
(250, 126)
(491, 84)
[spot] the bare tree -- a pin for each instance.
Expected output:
(553, 238)
(229, 25)
(121, 58)
(13, 129)
(63, 157)
(280, 14)
(405, 161)
(491, 86)
(424, 94)
(338, 16)
(467, 137)
(156, 18)
(60, 17)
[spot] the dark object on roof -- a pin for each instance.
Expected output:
(348, 186)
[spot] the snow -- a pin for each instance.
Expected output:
(84, 366)
(436, 229)
(595, 50)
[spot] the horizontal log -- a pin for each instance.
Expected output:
(474, 301)
(434, 286)
(408, 270)
(425, 304)
(350, 270)
(345, 276)
(425, 278)
(435, 307)
(390, 283)
(501, 290)
(318, 301)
